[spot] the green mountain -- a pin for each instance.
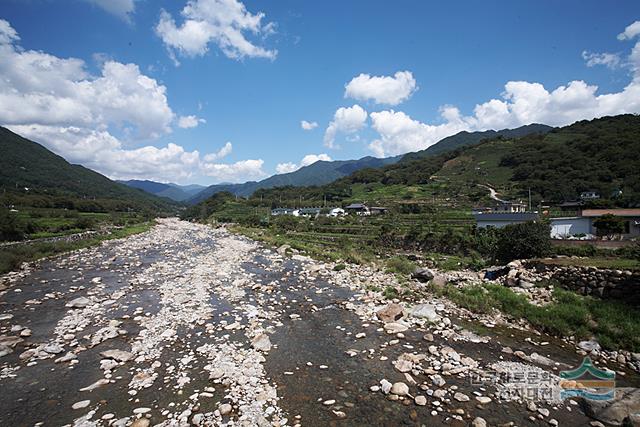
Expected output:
(172, 191)
(319, 173)
(465, 138)
(35, 176)
(600, 155)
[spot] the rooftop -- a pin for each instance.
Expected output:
(616, 212)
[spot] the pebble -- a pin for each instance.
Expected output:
(80, 405)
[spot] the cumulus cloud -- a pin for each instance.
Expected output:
(609, 60)
(306, 161)
(225, 23)
(308, 125)
(188, 122)
(521, 103)
(390, 90)
(123, 9)
(223, 152)
(244, 170)
(630, 32)
(57, 102)
(347, 120)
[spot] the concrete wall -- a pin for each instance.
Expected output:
(496, 224)
(570, 226)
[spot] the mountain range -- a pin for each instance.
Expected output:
(175, 192)
(31, 172)
(325, 172)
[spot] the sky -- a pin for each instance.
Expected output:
(212, 91)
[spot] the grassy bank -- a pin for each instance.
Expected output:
(614, 324)
(13, 256)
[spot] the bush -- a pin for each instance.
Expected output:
(526, 240)
(400, 265)
(11, 227)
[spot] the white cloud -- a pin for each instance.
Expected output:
(400, 134)
(223, 152)
(58, 103)
(630, 32)
(521, 103)
(244, 170)
(123, 9)
(390, 90)
(223, 22)
(287, 167)
(307, 160)
(188, 122)
(347, 120)
(609, 60)
(308, 125)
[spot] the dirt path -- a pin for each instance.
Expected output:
(187, 325)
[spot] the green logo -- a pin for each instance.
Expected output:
(588, 381)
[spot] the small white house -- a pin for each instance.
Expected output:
(335, 212)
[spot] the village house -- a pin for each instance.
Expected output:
(364, 210)
(502, 219)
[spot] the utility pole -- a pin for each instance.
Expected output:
(529, 199)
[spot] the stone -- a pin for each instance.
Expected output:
(142, 422)
(437, 380)
(52, 348)
(329, 402)
(483, 399)
(386, 386)
(425, 311)
(261, 343)
(420, 400)
(282, 250)
(390, 313)
(66, 358)
(625, 403)
(81, 405)
(403, 365)
(400, 389)
(225, 409)
(461, 397)
(81, 302)
(423, 275)
(25, 333)
(119, 355)
(478, 422)
(589, 346)
(395, 327)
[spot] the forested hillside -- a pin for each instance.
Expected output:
(34, 176)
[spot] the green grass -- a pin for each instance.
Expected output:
(13, 256)
(615, 325)
(400, 265)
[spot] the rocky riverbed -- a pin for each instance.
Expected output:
(189, 325)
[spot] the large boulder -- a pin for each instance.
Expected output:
(618, 411)
(494, 273)
(423, 275)
(390, 313)
(425, 311)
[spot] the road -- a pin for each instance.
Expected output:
(189, 325)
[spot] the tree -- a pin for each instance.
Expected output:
(609, 225)
(11, 228)
(525, 240)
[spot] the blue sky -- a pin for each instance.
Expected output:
(254, 88)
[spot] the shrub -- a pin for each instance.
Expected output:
(400, 265)
(11, 227)
(526, 240)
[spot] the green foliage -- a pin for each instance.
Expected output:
(525, 240)
(601, 155)
(609, 225)
(11, 227)
(614, 324)
(339, 267)
(400, 265)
